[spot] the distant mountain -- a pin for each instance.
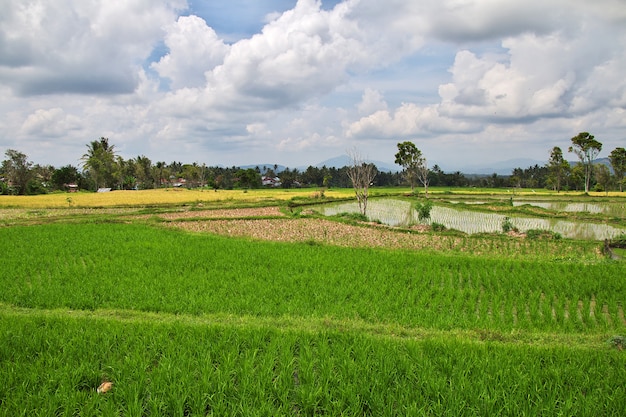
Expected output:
(500, 168)
(344, 160)
(265, 167)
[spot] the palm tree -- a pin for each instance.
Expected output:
(99, 162)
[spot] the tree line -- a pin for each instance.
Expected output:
(102, 167)
(558, 174)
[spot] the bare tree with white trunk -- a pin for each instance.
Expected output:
(361, 175)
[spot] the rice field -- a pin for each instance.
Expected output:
(255, 311)
(395, 212)
(161, 197)
(53, 362)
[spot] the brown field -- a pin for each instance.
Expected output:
(314, 230)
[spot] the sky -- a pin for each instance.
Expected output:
(240, 82)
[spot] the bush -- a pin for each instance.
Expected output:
(618, 342)
(438, 227)
(423, 210)
(618, 242)
(542, 234)
(354, 216)
(507, 225)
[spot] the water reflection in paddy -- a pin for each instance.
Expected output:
(400, 213)
(609, 208)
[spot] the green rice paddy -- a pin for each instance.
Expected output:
(198, 324)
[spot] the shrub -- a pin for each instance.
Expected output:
(618, 342)
(423, 210)
(542, 234)
(437, 227)
(354, 216)
(507, 225)
(618, 242)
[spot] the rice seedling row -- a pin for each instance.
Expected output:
(130, 266)
(51, 365)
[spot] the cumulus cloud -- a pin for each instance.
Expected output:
(538, 77)
(194, 48)
(311, 79)
(302, 54)
(372, 101)
(75, 46)
(51, 122)
(408, 120)
(463, 21)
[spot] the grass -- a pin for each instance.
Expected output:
(186, 368)
(203, 324)
(152, 269)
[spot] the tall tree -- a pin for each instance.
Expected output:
(587, 148)
(558, 168)
(17, 170)
(158, 170)
(64, 176)
(100, 162)
(414, 164)
(617, 157)
(603, 177)
(143, 172)
(249, 178)
(361, 175)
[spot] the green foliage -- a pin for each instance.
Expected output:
(410, 158)
(423, 210)
(619, 241)
(100, 163)
(437, 227)
(17, 170)
(558, 168)
(507, 225)
(249, 178)
(617, 157)
(618, 342)
(542, 234)
(354, 216)
(587, 148)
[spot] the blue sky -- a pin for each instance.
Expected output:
(470, 82)
(238, 19)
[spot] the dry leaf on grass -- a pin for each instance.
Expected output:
(105, 387)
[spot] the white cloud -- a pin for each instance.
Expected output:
(50, 122)
(372, 101)
(78, 46)
(314, 81)
(304, 53)
(408, 120)
(540, 76)
(194, 48)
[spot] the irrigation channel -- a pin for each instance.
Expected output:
(400, 213)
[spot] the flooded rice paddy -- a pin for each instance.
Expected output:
(609, 208)
(400, 213)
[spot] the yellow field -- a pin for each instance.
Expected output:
(177, 196)
(161, 196)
